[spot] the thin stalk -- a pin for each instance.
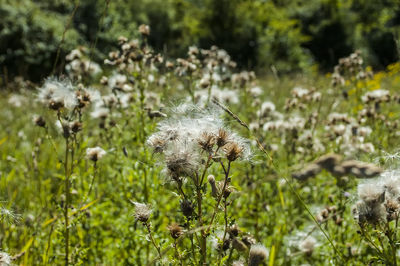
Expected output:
(369, 240)
(92, 182)
(177, 255)
(392, 243)
(220, 197)
(69, 22)
(66, 201)
(203, 247)
(203, 244)
(152, 239)
(48, 245)
(225, 230)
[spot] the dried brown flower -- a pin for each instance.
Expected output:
(175, 230)
(233, 151)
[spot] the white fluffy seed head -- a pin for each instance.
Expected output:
(371, 193)
(142, 212)
(308, 245)
(258, 253)
(95, 153)
(178, 138)
(59, 91)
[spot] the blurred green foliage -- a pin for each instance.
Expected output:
(289, 35)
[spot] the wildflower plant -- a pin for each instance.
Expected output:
(191, 141)
(377, 214)
(68, 102)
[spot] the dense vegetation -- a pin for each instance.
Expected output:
(143, 160)
(285, 35)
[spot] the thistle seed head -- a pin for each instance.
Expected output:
(175, 230)
(257, 255)
(233, 151)
(39, 121)
(95, 154)
(142, 212)
(206, 141)
(222, 137)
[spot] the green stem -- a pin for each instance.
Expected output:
(152, 239)
(219, 197)
(66, 201)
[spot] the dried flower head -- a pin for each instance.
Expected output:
(95, 153)
(257, 255)
(239, 245)
(207, 141)
(181, 162)
(234, 230)
(57, 94)
(76, 126)
(233, 151)
(187, 208)
(308, 245)
(370, 208)
(238, 263)
(142, 212)
(144, 30)
(157, 142)
(175, 230)
(190, 130)
(39, 121)
(222, 137)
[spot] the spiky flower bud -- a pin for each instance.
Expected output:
(214, 190)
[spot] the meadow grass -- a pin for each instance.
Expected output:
(164, 185)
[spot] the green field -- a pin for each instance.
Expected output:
(199, 162)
